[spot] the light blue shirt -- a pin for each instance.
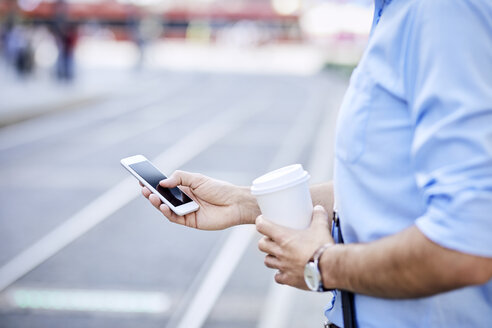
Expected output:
(414, 147)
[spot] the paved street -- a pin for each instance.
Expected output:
(100, 255)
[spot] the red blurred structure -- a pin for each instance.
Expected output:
(176, 18)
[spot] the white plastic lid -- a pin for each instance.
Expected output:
(279, 179)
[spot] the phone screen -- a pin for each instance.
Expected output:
(153, 176)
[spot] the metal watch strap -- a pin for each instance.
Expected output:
(319, 252)
(315, 259)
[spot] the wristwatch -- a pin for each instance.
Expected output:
(312, 274)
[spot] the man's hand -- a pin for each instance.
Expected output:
(289, 250)
(222, 205)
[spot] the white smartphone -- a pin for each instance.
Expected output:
(179, 202)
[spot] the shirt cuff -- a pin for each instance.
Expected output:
(464, 231)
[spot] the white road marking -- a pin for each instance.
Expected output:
(302, 132)
(121, 194)
(134, 132)
(322, 157)
(217, 277)
(239, 239)
(277, 306)
(10, 136)
(280, 298)
(87, 300)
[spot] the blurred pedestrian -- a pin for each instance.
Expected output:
(133, 26)
(412, 180)
(145, 31)
(19, 51)
(66, 40)
(66, 35)
(5, 31)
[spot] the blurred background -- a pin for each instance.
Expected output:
(228, 88)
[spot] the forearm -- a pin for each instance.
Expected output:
(405, 265)
(322, 194)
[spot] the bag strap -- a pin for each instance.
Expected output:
(348, 306)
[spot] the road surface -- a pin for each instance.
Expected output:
(80, 247)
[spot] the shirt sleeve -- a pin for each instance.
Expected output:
(448, 81)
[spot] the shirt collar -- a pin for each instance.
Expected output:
(379, 6)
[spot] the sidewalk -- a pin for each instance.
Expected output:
(21, 99)
(103, 66)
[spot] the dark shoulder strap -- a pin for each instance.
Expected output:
(348, 306)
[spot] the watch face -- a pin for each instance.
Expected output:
(312, 276)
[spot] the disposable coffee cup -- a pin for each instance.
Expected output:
(283, 196)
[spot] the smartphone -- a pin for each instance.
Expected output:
(179, 202)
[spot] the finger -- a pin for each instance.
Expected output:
(270, 229)
(146, 192)
(155, 200)
(320, 218)
(272, 262)
(281, 278)
(182, 178)
(141, 184)
(266, 245)
(170, 215)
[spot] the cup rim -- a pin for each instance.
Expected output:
(258, 189)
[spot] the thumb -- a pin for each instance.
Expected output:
(320, 217)
(182, 178)
(268, 228)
